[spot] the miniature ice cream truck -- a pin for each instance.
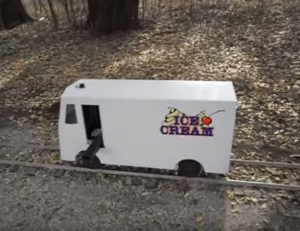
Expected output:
(159, 124)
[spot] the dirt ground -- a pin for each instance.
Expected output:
(256, 48)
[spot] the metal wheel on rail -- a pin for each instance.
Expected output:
(190, 168)
(84, 161)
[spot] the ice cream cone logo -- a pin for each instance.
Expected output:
(178, 123)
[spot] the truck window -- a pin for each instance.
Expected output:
(71, 117)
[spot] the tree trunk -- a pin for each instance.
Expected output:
(53, 15)
(12, 14)
(107, 16)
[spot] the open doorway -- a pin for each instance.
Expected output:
(92, 120)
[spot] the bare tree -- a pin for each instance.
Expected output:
(106, 16)
(12, 14)
(103, 16)
(53, 14)
(65, 5)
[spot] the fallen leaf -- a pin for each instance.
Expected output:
(200, 222)
(264, 206)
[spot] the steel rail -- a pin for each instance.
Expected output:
(233, 161)
(290, 187)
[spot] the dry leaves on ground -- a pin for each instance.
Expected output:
(258, 50)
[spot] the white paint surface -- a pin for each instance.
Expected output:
(132, 112)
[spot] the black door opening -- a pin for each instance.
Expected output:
(92, 120)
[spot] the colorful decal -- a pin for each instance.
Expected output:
(178, 123)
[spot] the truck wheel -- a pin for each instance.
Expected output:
(92, 162)
(190, 168)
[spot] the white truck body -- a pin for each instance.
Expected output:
(153, 123)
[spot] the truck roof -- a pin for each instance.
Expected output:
(133, 89)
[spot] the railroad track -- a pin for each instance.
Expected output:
(233, 161)
(7, 164)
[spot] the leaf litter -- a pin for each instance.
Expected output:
(258, 50)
